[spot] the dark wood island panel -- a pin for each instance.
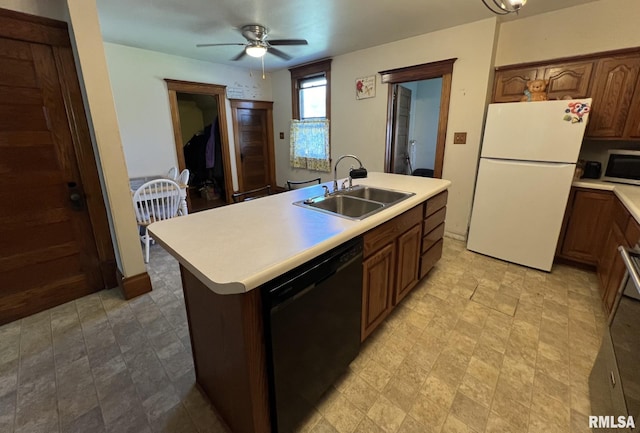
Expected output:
(228, 348)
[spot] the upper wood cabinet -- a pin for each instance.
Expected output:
(569, 79)
(509, 84)
(611, 79)
(614, 86)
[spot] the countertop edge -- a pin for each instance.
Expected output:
(262, 276)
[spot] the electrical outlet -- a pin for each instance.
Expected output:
(282, 136)
(459, 138)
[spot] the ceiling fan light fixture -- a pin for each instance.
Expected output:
(504, 7)
(256, 50)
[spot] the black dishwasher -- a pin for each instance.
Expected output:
(312, 330)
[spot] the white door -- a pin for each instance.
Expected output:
(518, 209)
(535, 131)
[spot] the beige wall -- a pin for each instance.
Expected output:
(359, 126)
(142, 101)
(191, 119)
(596, 26)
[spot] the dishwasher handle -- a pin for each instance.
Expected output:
(631, 267)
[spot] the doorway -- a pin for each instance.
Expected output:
(413, 95)
(199, 121)
(55, 244)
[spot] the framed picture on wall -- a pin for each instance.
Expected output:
(366, 87)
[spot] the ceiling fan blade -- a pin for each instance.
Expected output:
(240, 55)
(288, 42)
(216, 45)
(278, 53)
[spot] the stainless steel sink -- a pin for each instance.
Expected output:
(357, 203)
(385, 196)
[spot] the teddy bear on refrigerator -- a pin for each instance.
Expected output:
(536, 91)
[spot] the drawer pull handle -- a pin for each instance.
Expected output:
(613, 379)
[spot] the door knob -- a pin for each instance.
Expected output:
(75, 196)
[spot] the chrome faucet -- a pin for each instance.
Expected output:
(335, 171)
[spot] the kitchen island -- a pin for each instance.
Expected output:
(226, 253)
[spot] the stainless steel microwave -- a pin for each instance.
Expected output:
(623, 166)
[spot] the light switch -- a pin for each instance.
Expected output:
(459, 138)
(282, 136)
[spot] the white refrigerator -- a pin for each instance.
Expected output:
(527, 163)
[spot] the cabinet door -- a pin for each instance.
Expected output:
(509, 85)
(588, 225)
(377, 288)
(614, 85)
(616, 273)
(571, 79)
(633, 121)
(408, 250)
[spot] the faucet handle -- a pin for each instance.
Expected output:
(326, 190)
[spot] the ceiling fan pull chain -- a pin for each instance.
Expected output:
(262, 58)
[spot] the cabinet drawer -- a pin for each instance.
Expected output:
(620, 215)
(434, 220)
(432, 237)
(632, 233)
(436, 203)
(430, 258)
(387, 232)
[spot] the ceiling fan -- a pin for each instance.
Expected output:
(257, 44)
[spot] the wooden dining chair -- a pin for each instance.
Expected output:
(295, 184)
(155, 200)
(251, 194)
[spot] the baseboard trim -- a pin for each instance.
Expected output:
(134, 286)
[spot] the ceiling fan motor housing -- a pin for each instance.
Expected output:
(254, 32)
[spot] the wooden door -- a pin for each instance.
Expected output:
(48, 253)
(377, 288)
(615, 81)
(402, 110)
(253, 130)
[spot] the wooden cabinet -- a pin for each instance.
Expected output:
(391, 267)
(397, 254)
(408, 262)
(435, 211)
(614, 86)
(569, 79)
(586, 225)
(565, 79)
(611, 79)
(624, 231)
(377, 288)
(509, 84)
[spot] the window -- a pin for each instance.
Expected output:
(309, 138)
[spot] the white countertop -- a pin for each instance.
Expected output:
(629, 195)
(236, 248)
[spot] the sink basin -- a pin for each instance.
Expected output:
(358, 203)
(385, 196)
(351, 207)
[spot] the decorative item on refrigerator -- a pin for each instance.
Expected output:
(527, 164)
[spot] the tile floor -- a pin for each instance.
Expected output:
(480, 346)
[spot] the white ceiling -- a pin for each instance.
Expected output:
(332, 27)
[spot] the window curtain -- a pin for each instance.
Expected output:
(309, 146)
